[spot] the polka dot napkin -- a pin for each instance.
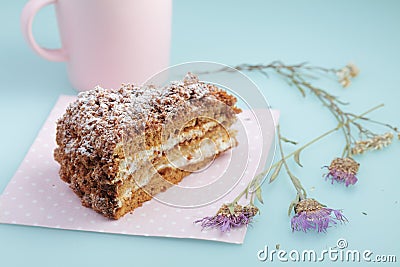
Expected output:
(36, 196)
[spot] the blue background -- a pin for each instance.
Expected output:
(326, 33)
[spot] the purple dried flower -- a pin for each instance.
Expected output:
(310, 214)
(343, 170)
(225, 219)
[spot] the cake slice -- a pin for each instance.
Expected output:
(119, 148)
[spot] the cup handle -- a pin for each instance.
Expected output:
(28, 14)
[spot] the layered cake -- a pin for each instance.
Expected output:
(120, 148)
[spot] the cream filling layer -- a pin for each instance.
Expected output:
(207, 150)
(130, 163)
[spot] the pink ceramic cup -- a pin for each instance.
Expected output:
(107, 42)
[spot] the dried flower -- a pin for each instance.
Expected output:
(353, 70)
(344, 81)
(230, 216)
(310, 214)
(375, 143)
(343, 170)
(346, 73)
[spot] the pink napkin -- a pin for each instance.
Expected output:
(36, 196)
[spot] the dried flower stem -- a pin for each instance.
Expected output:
(301, 192)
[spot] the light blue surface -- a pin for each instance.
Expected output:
(327, 33)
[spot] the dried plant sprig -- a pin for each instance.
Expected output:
(309, 213)
(298, 76)
(341, 170)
